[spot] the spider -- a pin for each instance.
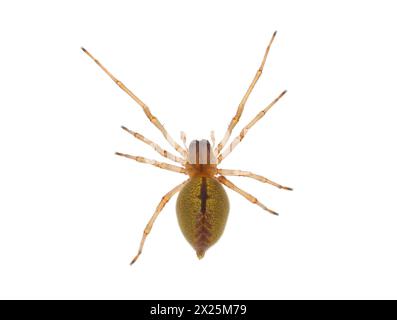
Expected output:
(202, 204)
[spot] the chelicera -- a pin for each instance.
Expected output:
(202, 204)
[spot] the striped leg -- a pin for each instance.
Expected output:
(155, 163)
(160, 207)
(145, 108)
(246, 195)
(243, 132)
(155, 146)
(240, 108)
(240, 173)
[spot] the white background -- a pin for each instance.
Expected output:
(72, 213)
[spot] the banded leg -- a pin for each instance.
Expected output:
(145, 108)
(243, 132)
(240, 173)
(155, 163)
(155, 146)
(240, 108)
(160, 207)
(246, 195)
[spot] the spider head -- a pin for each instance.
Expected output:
(201, 152)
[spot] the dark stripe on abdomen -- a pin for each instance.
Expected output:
(203, 195)
(203, 227)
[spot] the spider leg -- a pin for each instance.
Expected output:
(248, 174)
(155, 146)
(155, 163)
(246, 195)
(240, 108)
(183, 138)
(213, 137)
(145, 108)
(243, 132)
(160, 207)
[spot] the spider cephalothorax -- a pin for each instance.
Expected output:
(202, 204)
(201, 159)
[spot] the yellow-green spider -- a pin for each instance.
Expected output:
(202, 205)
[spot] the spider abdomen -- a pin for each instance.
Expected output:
(202, 211)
